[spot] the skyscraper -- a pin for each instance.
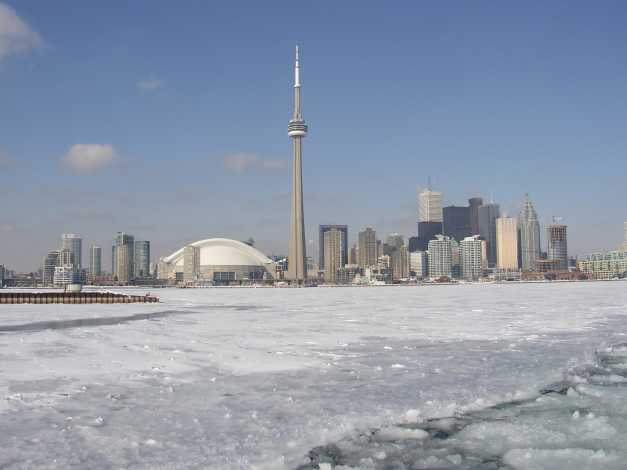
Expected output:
(191, 263)
(488, 213)
(353, 255)
(472, 251)
(429, 206)
(141, 264)
(507, 243)
(395, 241)
(332, 254)
(343, 229)
(66, 258)
(400, 263)
(74, 243)
(412, 244)
(418, 264)
(529, 228)
(51, 261)
(95, 261)
(124, 254)
(367, 252)
(427, 231)
(114, 267)
(474, 203)
(297, 130)
(558, 244)
(456, 222)
(440, 257)
(625, 236)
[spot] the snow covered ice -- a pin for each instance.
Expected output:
(491, 376)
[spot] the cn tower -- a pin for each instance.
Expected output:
(297, 130)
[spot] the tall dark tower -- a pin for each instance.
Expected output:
(297, 130)
(474, 203)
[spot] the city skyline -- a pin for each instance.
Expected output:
(98, 167)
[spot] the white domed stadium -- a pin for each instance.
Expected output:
(217, 260)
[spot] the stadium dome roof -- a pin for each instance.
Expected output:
(222, 252)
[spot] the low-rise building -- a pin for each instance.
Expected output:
(66, 274)
(347, 274)
(605, 265)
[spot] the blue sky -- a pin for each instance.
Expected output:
(168, 120)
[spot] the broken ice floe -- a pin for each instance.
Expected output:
(580, 420)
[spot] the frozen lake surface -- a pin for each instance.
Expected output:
(529, 376)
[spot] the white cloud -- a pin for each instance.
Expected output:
(5, 160)
(151, 84)
(89, 158)
(241, 162)
(15, 35)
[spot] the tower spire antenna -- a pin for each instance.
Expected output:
(297, 72)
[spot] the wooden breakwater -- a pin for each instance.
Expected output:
(73, 298)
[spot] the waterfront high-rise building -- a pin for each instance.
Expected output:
(625, 236)
(297, 130)
(124, 255)
(95, 260)
(400, 263)
(74, 243)
(419, 264)
(332, 254)
(114, 268)
(558, 244)
(429, 206)
(440, 257)
(456, 222)
(343, 229)
(488, 213)
(141, 264)
(367, 248)
(473, 204)
(191, 263)
(66, 258)
(529, 229)
(51, 261)
(507, 243)
(472, 253)
(456, 259)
